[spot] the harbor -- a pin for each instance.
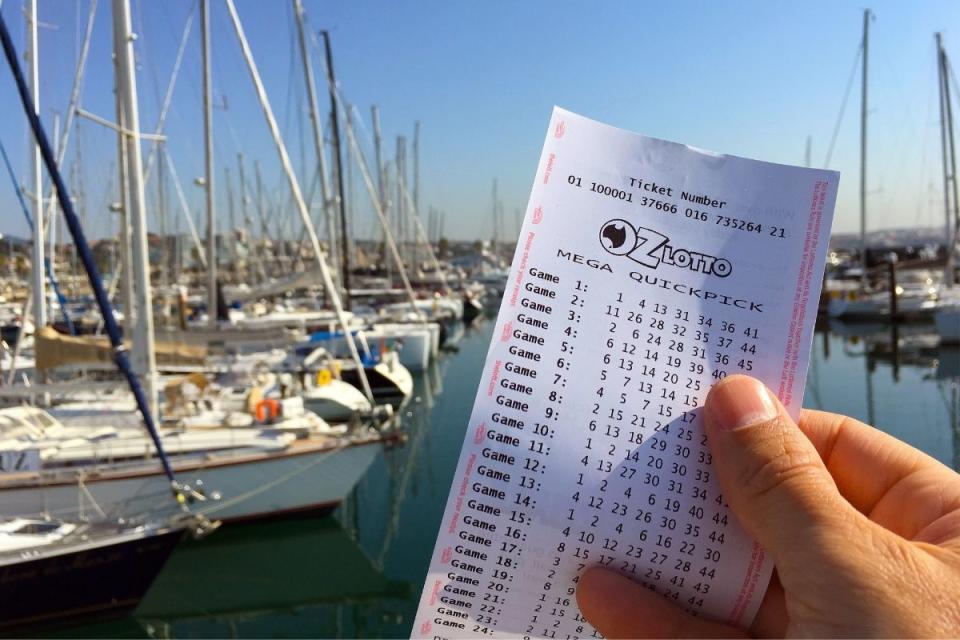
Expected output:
(247, 380)
(243, 321)
(359, 573)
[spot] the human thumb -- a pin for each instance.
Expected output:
(772, 476)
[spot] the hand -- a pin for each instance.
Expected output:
(863, 529)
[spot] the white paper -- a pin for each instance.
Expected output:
(645, 271)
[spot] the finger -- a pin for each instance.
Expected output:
(944, 531)
(771, 619)
(772, 476)
(897, 486)
(620, 608)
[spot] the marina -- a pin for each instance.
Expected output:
(126, 430)
(240, 344)
(371, 552)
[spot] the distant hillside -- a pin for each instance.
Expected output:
(16, 241)
(890, 238)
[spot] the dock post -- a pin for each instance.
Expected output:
(894, 298)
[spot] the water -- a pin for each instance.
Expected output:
(359, 572)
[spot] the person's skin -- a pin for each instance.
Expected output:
(863, 529)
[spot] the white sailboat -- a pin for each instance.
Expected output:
(49, 570)
(78, 470)
(294, 461)
(918, 292)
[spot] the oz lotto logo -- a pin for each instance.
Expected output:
(651, 248)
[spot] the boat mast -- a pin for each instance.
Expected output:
(338, 162)
(416, 165)
(943, 147)
(401, 164)
(167, 98)
(378, 202)
(381, 183)
(244, 212)
(232, 217)
(51, 257)
(416, 193)
(953, 148)
(60, 148)
(953, 157)
(122, 207)
(36, 184)
(208, 165)
(384, 223)
(184, 207)
(253, 249)
(496, 227)
(164, 255)
(863, 152)
(949, 160)
(143, 356)
(317, 130)
(300, 203)
(419, 232)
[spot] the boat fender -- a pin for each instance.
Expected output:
(267, 410)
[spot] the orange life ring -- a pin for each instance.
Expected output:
(266, 410)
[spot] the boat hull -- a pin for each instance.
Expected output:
(336, 401)
(876, 307)
(390, 384)
(415, 344)
(413, 348)
(97, 580)
(471, 310)
(947, 321)
(239, 487)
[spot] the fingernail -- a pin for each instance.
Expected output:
(739, 402)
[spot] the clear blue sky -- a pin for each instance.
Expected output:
(749, 78)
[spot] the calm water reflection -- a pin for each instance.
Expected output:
(359, 573)
(910, 392)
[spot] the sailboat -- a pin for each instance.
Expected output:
(55, 570)
(287, 461)
(917, 291)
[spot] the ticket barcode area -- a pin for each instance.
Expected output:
(645, 272)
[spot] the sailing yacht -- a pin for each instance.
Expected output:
(80, 468)
(917, 291)
(55, 570)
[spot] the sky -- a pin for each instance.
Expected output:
(751, 78)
